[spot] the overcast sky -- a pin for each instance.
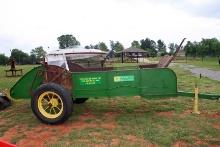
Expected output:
(26, 24)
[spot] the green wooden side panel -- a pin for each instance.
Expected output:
(149, 83)
(29, 82)
(158, 82)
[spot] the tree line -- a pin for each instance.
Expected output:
(152, 47)
(21, 57)
(206, 47)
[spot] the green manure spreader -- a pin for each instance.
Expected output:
(65, 79)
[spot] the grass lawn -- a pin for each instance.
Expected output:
(186, 82)
(120, 121)
(8, 82)
(211, 63)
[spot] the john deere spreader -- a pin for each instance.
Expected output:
(56, 85)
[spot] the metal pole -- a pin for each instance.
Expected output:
(122, 58)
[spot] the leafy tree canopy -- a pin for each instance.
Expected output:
(150, 46)
(136, 44)
(206, 47)
(39, 53)
(66, 41)
(172, 47)
(161, 46)
(116, 46)
(101, 45)
(20, 56)
(3, 59)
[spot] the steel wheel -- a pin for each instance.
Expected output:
(50, 104)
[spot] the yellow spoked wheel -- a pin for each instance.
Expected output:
(50, 104)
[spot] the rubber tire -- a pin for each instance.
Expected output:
(64, 95)
(80, 100)
(4, 102)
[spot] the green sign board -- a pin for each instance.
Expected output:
(90, 81)
(128, 78)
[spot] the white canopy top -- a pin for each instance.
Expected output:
(75, 50)
(59, 57)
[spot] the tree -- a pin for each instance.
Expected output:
(150, 46)
(116, 46)
(172, 48)
(33, 59)
(201, 48)
(92, 46)
(66, 41)
(216, 47)
(112, 45)
(135, 44)
(3, 59)
(161, 46)
(206, 47)
(39, 53)
(20, 56)
(190, 49)
(87, 47)
(96, 46)
(103, 47)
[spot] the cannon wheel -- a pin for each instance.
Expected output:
(80, 100)
(51, 103)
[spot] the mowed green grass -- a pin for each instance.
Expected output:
(122, 121)
(8, 82)
(186, 82)
(208, 62)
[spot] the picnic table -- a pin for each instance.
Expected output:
(14, 72)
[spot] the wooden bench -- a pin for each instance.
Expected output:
(14, 72)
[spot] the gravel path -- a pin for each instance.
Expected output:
(205, 72)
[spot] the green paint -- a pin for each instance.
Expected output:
(90, 81)
(128, 78)
(149, 83)
(157, 82)
(27, 84)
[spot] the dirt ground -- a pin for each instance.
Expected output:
(46, 134)
(42, 134)
(116, 122)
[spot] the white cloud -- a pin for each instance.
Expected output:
(26, 24)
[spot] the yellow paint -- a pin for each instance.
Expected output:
(196, 101)
(50, 104)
